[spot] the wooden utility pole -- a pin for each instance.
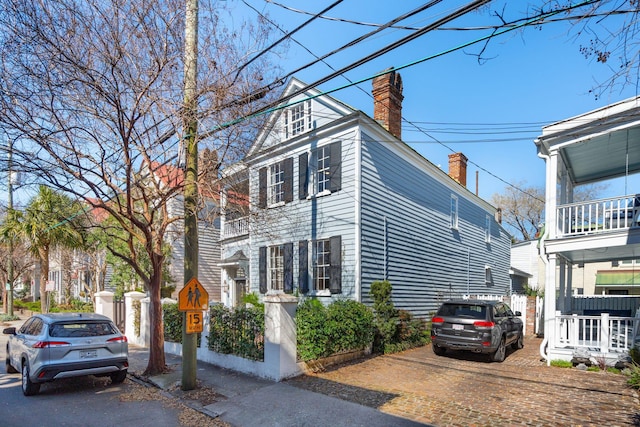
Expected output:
(189, 340)
(10, 279)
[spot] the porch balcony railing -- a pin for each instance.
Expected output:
(598, 216)
(604, 333)
(235, 227)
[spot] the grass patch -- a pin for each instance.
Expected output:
(561, 363)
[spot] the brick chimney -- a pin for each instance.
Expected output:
(458, 167)
(387, 102)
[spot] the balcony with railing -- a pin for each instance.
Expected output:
(598, 216)
(235, 228)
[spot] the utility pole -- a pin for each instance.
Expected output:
(9, 286)
(189, 340)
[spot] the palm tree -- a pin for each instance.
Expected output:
(50, 219)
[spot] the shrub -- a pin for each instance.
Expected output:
(633, 374)
(310, 323)
(172, 323)
(386, 321)
(172, 319)
(342, 326)
(239, 331)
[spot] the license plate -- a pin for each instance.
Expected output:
(88, 354)
(457, 327)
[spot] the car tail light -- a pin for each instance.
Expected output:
(437, 320)
(483, 324)
(117, 339)
(45, 344)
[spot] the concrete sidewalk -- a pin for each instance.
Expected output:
(250, 401)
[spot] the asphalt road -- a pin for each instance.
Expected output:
(82, 402)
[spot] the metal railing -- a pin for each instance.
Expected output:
(598, 215)
(236, 227)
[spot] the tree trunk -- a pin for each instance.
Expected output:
(157, 363)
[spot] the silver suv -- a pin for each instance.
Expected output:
(478, 326)
(63, 345)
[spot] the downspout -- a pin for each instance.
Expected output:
(543, 255)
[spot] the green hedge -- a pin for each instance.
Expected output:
(172, 318)
(342, 326)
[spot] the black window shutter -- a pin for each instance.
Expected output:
(303, 266)
(335, 271)
(288, 268)
(303, 179)
(262, 185)
(262, 269)
(288, 179)
(336, 166)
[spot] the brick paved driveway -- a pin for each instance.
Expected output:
(465, 390)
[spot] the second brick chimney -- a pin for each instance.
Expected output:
(458, 167)
(387, 102)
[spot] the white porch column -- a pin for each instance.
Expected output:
(562, 276)
(551, 195)
(550, 301)
(280, 335)
(104, 304)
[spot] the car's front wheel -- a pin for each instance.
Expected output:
(118, 377)
(7, 363)
(28, 388)
(500, 353)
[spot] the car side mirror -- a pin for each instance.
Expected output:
(518, 314)
(9, 331)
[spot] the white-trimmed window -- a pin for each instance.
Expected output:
(487, 275)
(454, 211)
(321, 264)
(487, 229)
(297, 119)
(275, 189)
(320, 170)
(275, 268)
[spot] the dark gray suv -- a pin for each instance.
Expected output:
(479, 326)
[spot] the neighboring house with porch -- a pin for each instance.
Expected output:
(591, 148)
(338, 201)
(208, 229)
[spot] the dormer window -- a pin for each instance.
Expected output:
(297, 119)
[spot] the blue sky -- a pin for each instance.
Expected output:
(529, 78)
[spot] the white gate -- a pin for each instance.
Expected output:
(519, 303)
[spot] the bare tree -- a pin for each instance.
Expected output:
(605, 31)
(92, 93)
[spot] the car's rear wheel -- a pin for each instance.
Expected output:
(439, 350)
(519, 343)
(118, 377)
(500, 353)
(28, 388)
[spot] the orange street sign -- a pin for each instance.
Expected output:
(194, 322)
(193, 296)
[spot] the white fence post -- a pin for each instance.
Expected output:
(280, 335)
(104, 304)
(130, 317)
